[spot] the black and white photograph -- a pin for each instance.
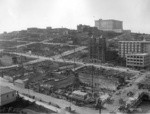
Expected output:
(74, 56)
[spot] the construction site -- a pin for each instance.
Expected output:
(76, 74)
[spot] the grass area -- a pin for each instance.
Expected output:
(33, 39)
(78, 56)
(13, 58)
(44, 49)
(8, 44)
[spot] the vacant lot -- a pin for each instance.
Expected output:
(78, 56)
(45, 49)
(8, 44)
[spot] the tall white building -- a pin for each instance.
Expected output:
(138, 60)
(127, 47)
(109, 25)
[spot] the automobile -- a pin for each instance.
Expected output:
(142, 71)
(57, 106)
(79, 103)
(70, 110)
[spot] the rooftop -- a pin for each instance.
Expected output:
(79, 93)
(143, 41)
(19, 81)
(4, 90)
(109, 20)
(138, 54)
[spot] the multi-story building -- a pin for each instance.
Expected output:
(97, 49)
(109, 25)
(7, 95)
(127, 47)
(138, 60)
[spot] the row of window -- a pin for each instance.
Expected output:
(130, 50)
(130, 56)
(135, 60)
(130, 46)
(133, 63)
(12, 95)
(130, 43)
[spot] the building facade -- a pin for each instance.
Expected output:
(21, 83)
(97, 49)
(138, 60)
(7, 95)
(127, 47)
(109, 25)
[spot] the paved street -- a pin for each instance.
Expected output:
(7, 67)
(46, 105)
(22, 45)
(45, 42)
(69, 52)
(55, 58)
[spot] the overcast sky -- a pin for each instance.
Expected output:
(21, 14)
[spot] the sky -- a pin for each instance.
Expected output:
(21, 14)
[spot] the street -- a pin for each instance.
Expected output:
(46, 98)
(58, 58)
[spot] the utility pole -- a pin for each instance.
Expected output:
(100, 106)
(92, 78)
(74, 59)
(91, 55)
(100, 110)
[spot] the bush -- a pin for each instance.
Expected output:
(121, 101)
(109, 101)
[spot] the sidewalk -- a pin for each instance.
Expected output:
(59, 102)
(55, 109)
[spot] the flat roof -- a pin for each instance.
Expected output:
(79, 93)
(137, 41)
(19, 81)
(109, 20)
(4, 90)
(139, 54)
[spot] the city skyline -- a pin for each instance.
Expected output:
(21, 14)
